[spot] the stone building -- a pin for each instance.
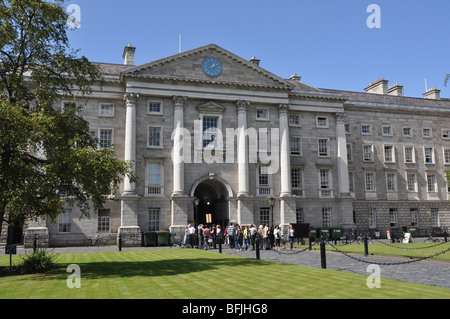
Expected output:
(207, 124)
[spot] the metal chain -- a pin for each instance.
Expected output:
(415, 248)
(279, 252)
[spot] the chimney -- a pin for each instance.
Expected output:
(255, 61)
(378, 87)
(433, 94)
(128, 55)
(396, 90)
(295, 77)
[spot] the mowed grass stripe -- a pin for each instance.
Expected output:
(196, 274)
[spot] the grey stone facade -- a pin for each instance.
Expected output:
(317, 181)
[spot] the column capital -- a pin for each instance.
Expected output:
(131, 98)
(283, 108)
(242, 105)
(340, 118)
(178, 101)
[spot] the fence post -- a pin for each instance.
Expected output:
(220, 243)
(120, 242)
(257, 246)
(366, 246)
(323, 259)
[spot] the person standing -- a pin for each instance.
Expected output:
(231, 230)
(219, 236)
(291, 234)
(277, 235)
(200, 236)
(206, 236)
(186, 235)
(192, 235)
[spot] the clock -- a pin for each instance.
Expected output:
(211, 67)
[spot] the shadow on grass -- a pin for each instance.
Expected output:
(170, 267)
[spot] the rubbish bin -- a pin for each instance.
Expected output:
(336, 233)
(163, 238)
(323, 232)
(313, 234)
(413, 230)
(150, 238)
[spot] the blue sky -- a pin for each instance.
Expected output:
(327, 42)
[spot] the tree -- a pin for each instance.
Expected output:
(47, 155)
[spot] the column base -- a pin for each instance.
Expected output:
(130, 235)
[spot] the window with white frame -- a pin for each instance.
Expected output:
(372, 217)
(368, 155)
(431, 182)
(389, 156)
(427, 132)
(262, 114)
(429, 155)
(295, 146)
(326, 217)
(349, 152)
(414, 212)
(104, 219)
(435, 217)
(297, 178)
(411, 182)
(366, 129)
(264, 180)
(154, 178)
(65, 221)
(407, 131)
(154, 107)
(153, 219)
(446, 133)
(264, 215)
(391, 182)
(387, 130)
(322, 122)
(299, 216)
(393, 217)
(294, 120)
(154, 138)
(105, 138)
(323, 147)
(369, 181)
(325, 182)
(210, 126)
(409, 154)
(106, 109)
(263, 139)
(446, 155)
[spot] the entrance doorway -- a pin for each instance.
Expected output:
(213, 205)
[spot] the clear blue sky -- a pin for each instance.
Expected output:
(327, 42)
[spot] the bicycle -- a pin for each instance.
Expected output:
(98, 241)
(360, 239)
(432, 239)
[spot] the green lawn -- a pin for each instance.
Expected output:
(172, 274)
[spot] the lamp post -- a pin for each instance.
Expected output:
(196, 201)
(272, 202)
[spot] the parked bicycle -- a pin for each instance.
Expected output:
(98, 241)
(432, 239)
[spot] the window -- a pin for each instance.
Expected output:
(106, 109)
(105, 138)
(368, 153)
(370, 181)
(103, 220)
(65, 221)
(262, 114)
(323, 147)
(299, 216)
(210, 126)
(447, 156)
(324, 177)
(153, 219)
(409, 154)
(427, 132)
(264, 215)
(387, 130)
(349, 153)
(414, 216)
(155, 107)
(295, 146)
(294, 120)
(435, 217)
(393, 218)
(372, 217)
(366, 129)
(296, 178)
(389, 153)
(154, 179)
(446, 133)
(326, 217)
(350, 182)
(348, 129)
(263, 175)
(429, 155)
(322, 122)
(391, 182)
(407, 131)
(263, 139)
(431, 182)
(411, 184)
(154, 136)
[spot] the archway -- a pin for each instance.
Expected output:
(213, 206)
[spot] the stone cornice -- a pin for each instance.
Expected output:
(318, 95)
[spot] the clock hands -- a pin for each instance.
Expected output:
(214, 65)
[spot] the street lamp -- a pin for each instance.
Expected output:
(272, 202)
(196, 201)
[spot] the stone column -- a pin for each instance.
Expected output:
(342, 163)
(242, 148)
(285, 154)
(178, 162)
(130, 138)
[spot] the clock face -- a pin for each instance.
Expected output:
(212, 67)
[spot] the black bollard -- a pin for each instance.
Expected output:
(310, 242)
(323, 258)
(220, 244)
(366, 246)
(257, 247)
(120, 243)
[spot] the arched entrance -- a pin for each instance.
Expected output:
(213, 205)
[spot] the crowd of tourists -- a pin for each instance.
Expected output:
(239, 237)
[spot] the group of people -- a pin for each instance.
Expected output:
(236, 236)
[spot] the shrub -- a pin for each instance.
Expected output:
(37, 263)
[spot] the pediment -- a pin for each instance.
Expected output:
(211, 107)
(187, 66)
